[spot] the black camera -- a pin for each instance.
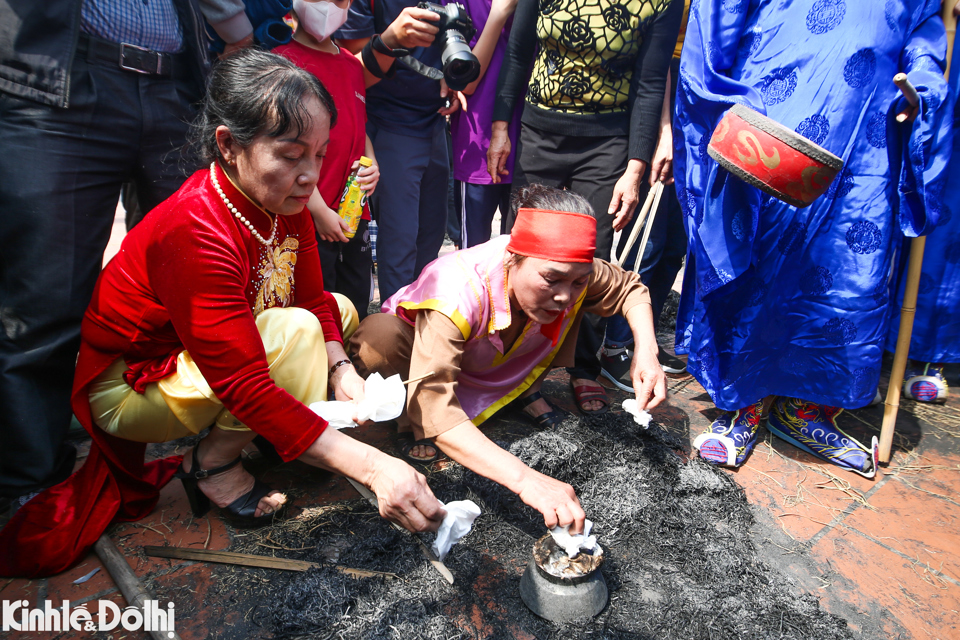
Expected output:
(460, 66)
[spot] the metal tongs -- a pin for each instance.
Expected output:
(647, 213)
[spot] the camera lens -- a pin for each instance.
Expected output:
(460, 66)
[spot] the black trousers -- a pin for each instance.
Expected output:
(348, 267)
(60, 176)
(591, 168)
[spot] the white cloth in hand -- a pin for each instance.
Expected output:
(456, 524)
(339, 415)
(382, 400)
(641, 416)
(573, 544)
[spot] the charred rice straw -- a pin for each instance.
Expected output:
(676, 534)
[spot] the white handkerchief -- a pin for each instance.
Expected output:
(573, 544)
(338, 415)
(456, 524)
(640, 416)
(382, 400)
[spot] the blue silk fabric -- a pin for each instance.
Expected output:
(786, 301)
(936, 328)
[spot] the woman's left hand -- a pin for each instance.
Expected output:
(367, 177)
(626, 194)
(649, 381)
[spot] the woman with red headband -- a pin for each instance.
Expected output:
(490, 322)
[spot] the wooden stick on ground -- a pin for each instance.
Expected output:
(128, 583)
(909, 309)
(250, 560)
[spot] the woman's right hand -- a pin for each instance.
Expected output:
(404, 496)
(556, 500)
(402, 493)
(499, 151)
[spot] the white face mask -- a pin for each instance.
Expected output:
(320, 19)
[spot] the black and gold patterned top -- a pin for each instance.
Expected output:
(600, 67)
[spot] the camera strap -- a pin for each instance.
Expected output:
(380, 24)
(423, 69)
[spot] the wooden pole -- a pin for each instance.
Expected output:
(128, 583)
(909, 309)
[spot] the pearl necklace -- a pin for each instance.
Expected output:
(239, 216)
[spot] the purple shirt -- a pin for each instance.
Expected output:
(471, 129)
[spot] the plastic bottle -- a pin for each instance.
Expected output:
(353, 199)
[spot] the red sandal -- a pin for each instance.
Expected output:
(585, 393)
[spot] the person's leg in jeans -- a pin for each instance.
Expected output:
(62, 171)
(616, 356)
(479, 204)
(662, 260)
(168, 109)
(434, 189)
(403, 162)
(660, 266)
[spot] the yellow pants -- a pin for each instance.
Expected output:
(183, 404)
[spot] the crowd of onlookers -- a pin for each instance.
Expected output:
(785, 311)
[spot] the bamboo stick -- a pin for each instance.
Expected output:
(658, 192)
(908, 311)
(909, 91)
(637, 226)
(250, 560)
(419, 378)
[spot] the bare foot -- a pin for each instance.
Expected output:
(423, 452)
(224, 488)
(591, 405)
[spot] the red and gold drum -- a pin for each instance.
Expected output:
(771, 157)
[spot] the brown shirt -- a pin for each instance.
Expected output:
(432, 404)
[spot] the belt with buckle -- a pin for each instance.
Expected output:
(130, 57)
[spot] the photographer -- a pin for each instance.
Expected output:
(405, 122)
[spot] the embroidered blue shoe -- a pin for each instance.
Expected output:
(731, 437)
(926, 384)
(813, 428)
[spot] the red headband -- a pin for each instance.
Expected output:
(560, 236)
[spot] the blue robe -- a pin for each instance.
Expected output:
(936, 328)
(786, 301)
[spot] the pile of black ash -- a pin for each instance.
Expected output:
(680, 562)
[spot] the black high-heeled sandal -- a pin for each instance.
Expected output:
(547, 420)
(240, 512)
